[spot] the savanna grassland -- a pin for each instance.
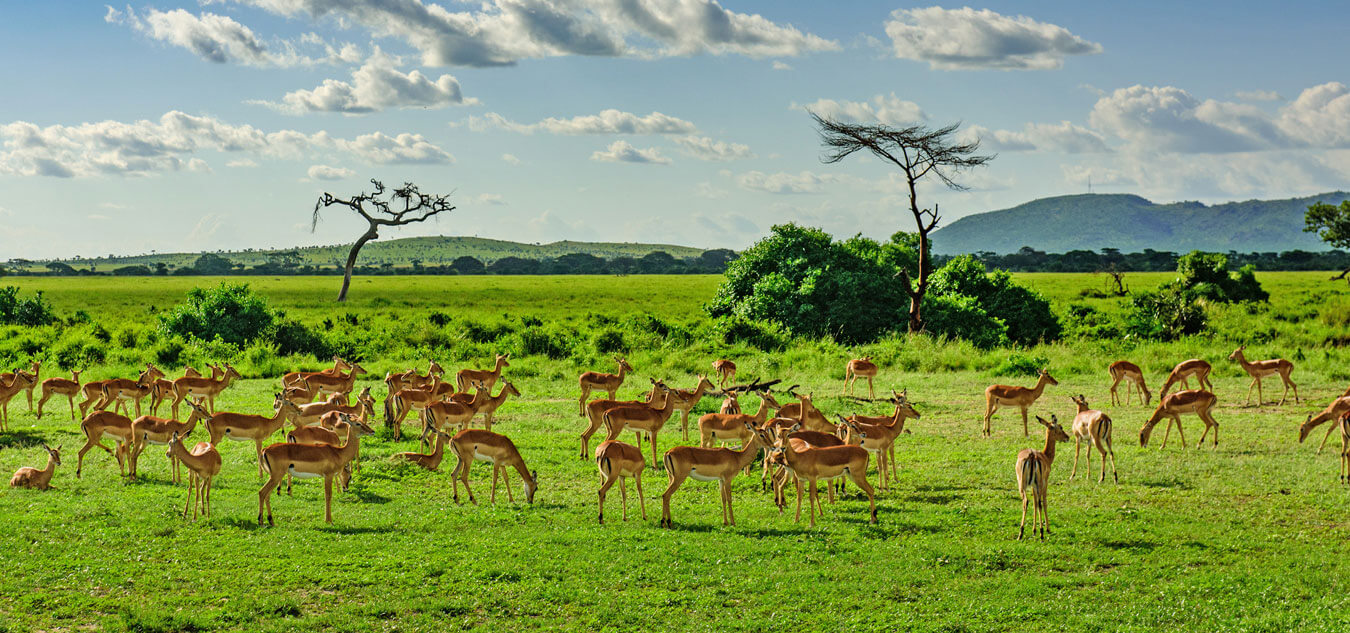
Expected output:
(1246, 537)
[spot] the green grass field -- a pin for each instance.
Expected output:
(1246, 537)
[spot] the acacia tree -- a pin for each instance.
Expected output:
(919, 152)
(381, 210)
(1332, 224)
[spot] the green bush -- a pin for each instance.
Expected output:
(292, 337)
(537, 341)
(1168, 314)
(1086, 322)
(1205, 275)
(231, 312)
(957, 316)
(32, 312)
(610, 342)
(765, 336)
(169, 353)
(1025, 313)
(1019, 364)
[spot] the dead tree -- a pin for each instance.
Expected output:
(417, 207)
(919, 152)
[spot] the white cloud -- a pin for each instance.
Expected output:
(1258, 95)
(622, 152)
(1319, 117)
(707, 190)
(493, 199)
(243, 162)
(777, 65)
(220, 39)
(375, 86)
(1166, 118)
(966, 39)
(1063, 137)
(511, 159)
(503, 32)
(326, 172)
(171, 143)
(890, 110)
(609, 121)
(704, 148)
(783, 182)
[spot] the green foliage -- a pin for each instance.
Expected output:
(212, 264)
(1168, 314)
(539, 341)
(1025, 314)
(610, 341)
(291, 337)
(32, 311)
(1020, 364)
(1205, 275)
(957, 316)
(762, 335)
(231, 312)
(1331, 223)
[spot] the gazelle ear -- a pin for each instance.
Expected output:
(1042, 421)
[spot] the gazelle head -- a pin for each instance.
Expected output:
(357, 370)
(1045, 373)
(53, 453)
(704, 383)
(149, 369)
(623, 363)
(660, 385)
(1081, 401)
(231, 373)
(198, 408)
(503, 360)
(768, 397)
(340, 364)
(531, 486)
(289, 409)
(1237, 353)
(1304, 429)
(1153, 420)
(509, 387)
(75, 374)
(173, 439)
(1056, 431)
(435, 369)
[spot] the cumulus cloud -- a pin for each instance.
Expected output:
(502, 32)
(622, 152)
(375, 86)
(144, 147)
(704, 148)
(606, 122)
(220, 39)
(1062, 137)
(326, 172)
(783, 182)
(511, 159)
(492, 199)
(966, 39)
(242, 162)
(1258, 95)
(777, 65)
(890, 110)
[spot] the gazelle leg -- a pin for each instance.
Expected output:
(623, 493)
(506, 481)
(1319, 446)
(1181, 432)
(871, 393)
(799, 500)
(493, 496)
(637, 478)
(1022, 529)
(1077, 446)
(1025, 431)
(860, 478)
(604, 487)
(989, 408)
(676, 479)
(813, 502)
(1167, 433)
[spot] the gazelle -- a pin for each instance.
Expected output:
(1093, 426)
(496, 449)
(1020, 397)
(726, 372)
(152, 430)
(608, 383)
(58, 386)
(860, 368)
(407, 399)
(894, 425)
(618, 461)
(685, 401)
(595, 412)
(708, 464)
(733, 426)
(245, 427)
(203, 464)
(21, 381)
(1262, 368)
(207, 388)
(640, 418)
(1343, 423)
(800, 440)
(162, 390)
(805, 411)
(298, 377)
(34, 372)
(1337, 408)
(430, 461)
(1181, 374)
(118, 390)
(1033, 471)
(730, 404)
(330, 430)
(814, 464)
(442, 415)
(1133, 376)
(1172, 406)
(310, 413)
(488, 406)
(29, 477)
(109, 424)
(309, 460)
(465, 378)
(321, 384)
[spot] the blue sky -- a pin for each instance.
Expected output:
(215, 125)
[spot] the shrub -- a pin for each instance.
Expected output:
(957, 316)
(32, 312)
(1167, 315)
(79, 352)
(438, 318)
(1019, 364)
(292, 337)
(768, 337)
(1025, 313)
(610, 342)
(1206, 276)
(536, 341)
(169, 352)
(1086, 322)
(231, 312)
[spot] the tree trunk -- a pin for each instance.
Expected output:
(920, 284)
(371, 234)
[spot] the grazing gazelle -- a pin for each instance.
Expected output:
(1337, 408)
(726, 371)
(1133, 376)
(29, 477)
(1181, 374)
(708, 464)
(472, 445)
(1033, 471)
(1094, 427)
(1172, 406)
(1262, 368)
(598, 381)
(1020, 397)
(203, 464)
(617, 462)
(860, 368)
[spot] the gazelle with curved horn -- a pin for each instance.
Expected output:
(117, 391)
(815, 464)
(1020, 397)
(1173, 405)
(309, 460)
(883, 431)
(1094, 427)
(1335, 410)
(708, 464)
(598, 381)
(1262, 368)
(1124, 370)
(487, 406)
(408, 399)
(805, 411)
(775, 467)
(1181, 374)
(686, 399)
(472, 445)
(244, 427)
(1033, 471)
(595, 412)
(465, 378)
(860, 368)
(29, 477)
(58, 386)
(203, 464)
(617, 462)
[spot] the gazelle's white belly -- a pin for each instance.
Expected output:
(237, 438)
(695, 474)
(299, 474)
(481, 457)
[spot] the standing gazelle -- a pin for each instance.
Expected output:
(1172, 406)
(814, 464)
(598, 381)
(617, 462)
(860, 368)
(1020, 397)
(58, 386)
(465, 378)
(1033, 471)
(1181, 374)
(310, 460)
(203, 464)
(708, 464)
(1094, 427)
(641, 419)
(1344, 424)
(726, 371)
(1262, 368)
(1133, 376)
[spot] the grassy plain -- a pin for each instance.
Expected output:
(1246, 537)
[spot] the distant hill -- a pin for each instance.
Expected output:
(430, 251)
(1131, 223)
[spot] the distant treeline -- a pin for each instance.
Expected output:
(1028, 259)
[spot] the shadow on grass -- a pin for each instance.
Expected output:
(351, 530)
(20, 439)
(1132, 544)
(1174, 483)
(940, 500)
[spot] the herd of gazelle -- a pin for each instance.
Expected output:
(800, 442)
